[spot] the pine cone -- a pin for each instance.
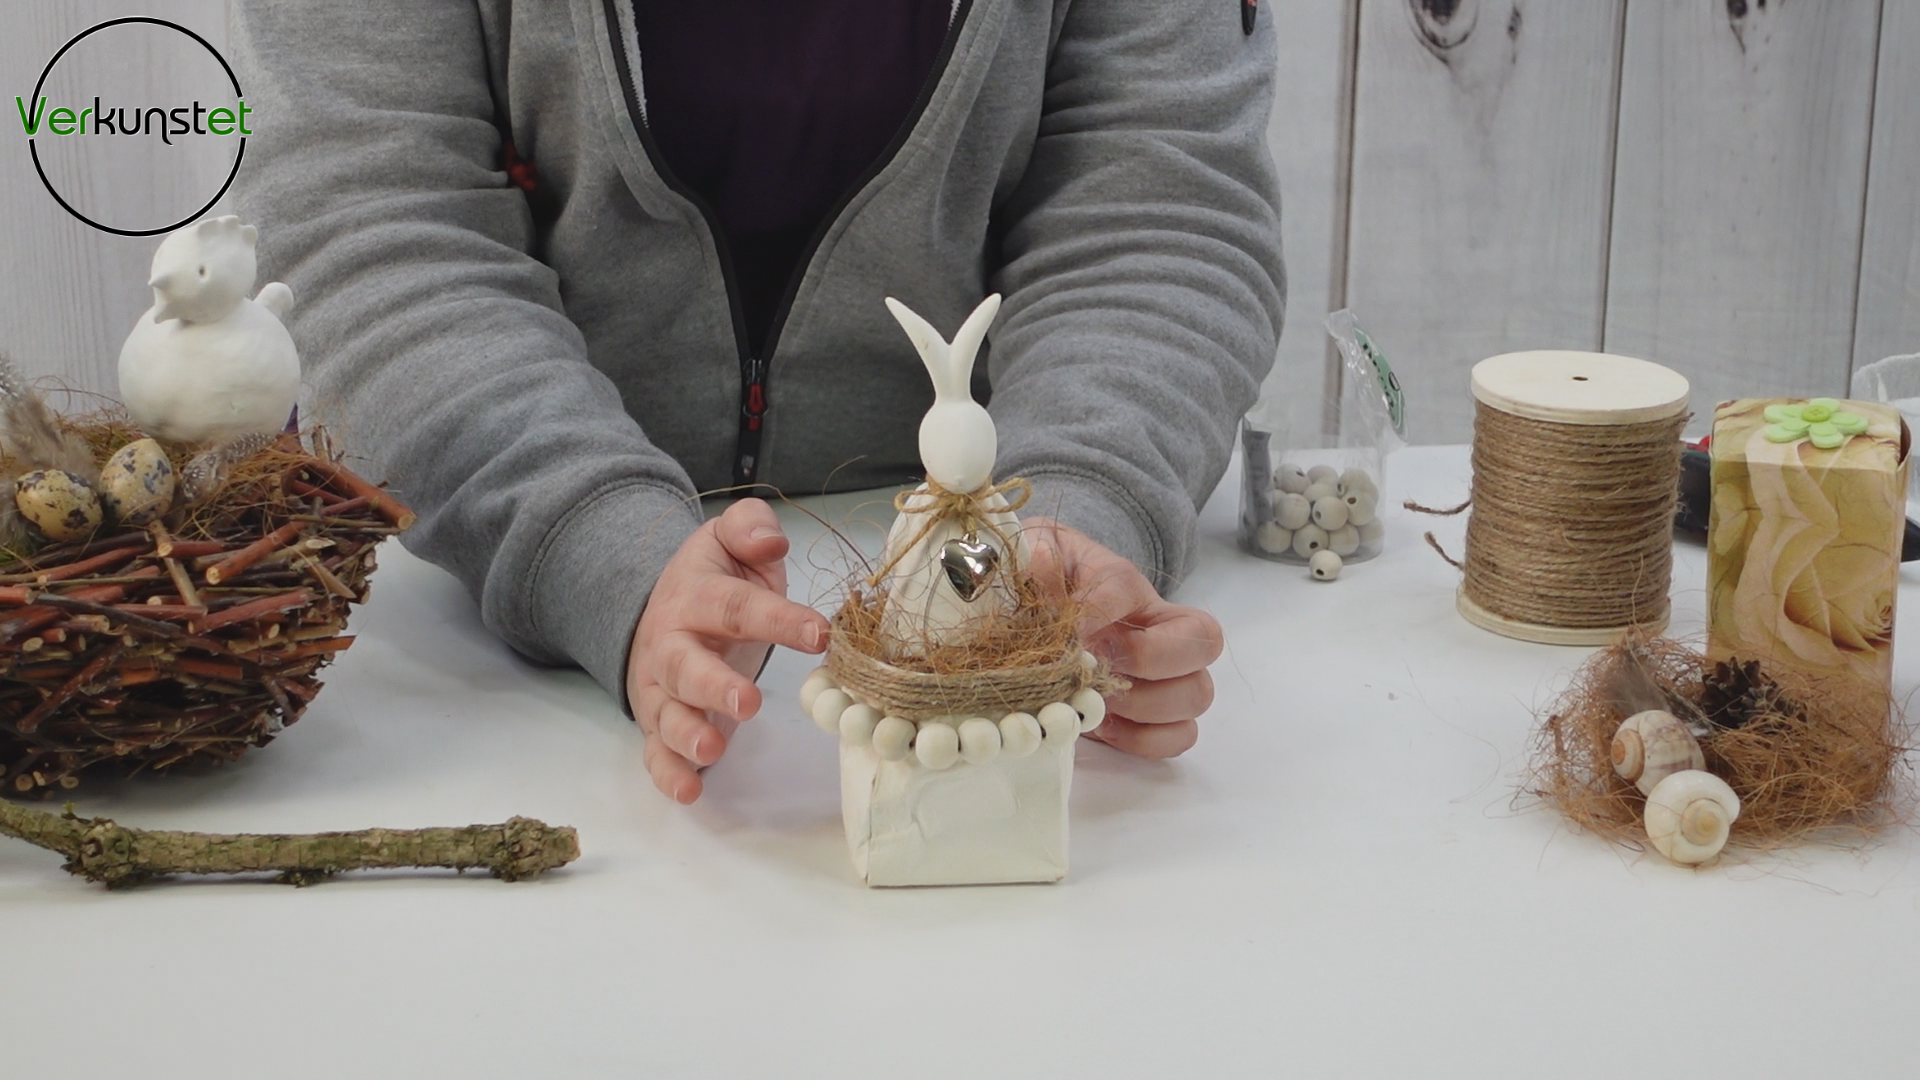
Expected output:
(1735, 694)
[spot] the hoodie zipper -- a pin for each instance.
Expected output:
(753, 369)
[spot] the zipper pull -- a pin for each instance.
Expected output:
(753, 408)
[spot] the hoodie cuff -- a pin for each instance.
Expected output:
(596, 571)
(1105, 512)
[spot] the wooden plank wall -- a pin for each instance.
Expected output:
(1727, 186)
(1739, 190)
(69, 293)
(1888, 320)
(1482, 151)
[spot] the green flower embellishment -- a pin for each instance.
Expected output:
(1820, 420)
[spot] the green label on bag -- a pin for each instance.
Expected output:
(1389, 382)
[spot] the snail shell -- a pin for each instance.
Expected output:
(1689, 814)
(1653, 745)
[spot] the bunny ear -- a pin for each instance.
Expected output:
(966, 343)
(926, 339)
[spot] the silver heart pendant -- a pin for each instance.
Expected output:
(969, 564)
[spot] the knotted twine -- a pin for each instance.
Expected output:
(1572, 523)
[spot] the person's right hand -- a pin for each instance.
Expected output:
(719, 606)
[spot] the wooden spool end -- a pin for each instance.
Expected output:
(1566, 387)
(1582, 388)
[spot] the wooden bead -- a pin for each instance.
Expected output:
(1344, 541)
(828, 707)
(979, 740)
(1357, 482)
(1273, 539)
(1330, 513)
(1324, 566)
(1019, 734)
(1090, 705)
(1309, 540)
(1324, 474)
(1320, 491)
(858, 723)
(937, 744)
(817, 681)
(1059, 724)
(893, 738)
(1362, 508)
(1290, 478)
(1292, 511)
(1372, 533)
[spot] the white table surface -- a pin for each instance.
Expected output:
(1336, 882)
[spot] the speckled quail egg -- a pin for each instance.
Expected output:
(137, 483)
(58, 503)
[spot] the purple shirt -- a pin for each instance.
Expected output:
(772, 110)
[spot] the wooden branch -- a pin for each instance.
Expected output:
(101, 850)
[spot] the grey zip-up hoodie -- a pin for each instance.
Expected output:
(550, 377)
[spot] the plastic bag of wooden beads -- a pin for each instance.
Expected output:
(1314, 487)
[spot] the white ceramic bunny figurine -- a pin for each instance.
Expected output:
(205, 363)
(943, 574)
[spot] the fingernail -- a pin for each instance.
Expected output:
(764, 532)
(816, 636)
(733, 704)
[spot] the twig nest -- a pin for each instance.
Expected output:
(59, 504)
(137, 483)
(1689, 815)
(1653, 745)
(937, 744)
(1019, 734)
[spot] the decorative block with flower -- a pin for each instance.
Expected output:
(1809, 507)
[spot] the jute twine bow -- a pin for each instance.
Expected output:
(942, 504)
(1571, 523)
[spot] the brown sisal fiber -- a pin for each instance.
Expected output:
(1826, 758)
(1572, 523)
(1016, 664)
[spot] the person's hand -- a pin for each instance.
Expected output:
(719, 606)
(1164, 648)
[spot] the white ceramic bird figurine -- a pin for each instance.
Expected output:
(205, 363)
(946, 573)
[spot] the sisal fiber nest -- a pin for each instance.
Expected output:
(190, 640)
(1016, 663)
(1803, 754)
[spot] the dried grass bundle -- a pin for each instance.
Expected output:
(1803, 754)
(191, 640)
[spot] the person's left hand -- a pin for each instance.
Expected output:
(1163, 647)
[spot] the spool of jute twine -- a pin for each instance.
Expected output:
(1576, 467)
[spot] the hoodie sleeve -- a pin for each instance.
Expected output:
(1140, 260)
(435, 344)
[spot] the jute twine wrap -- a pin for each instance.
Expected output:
(938, 504)
(992, 693)
(1572, 523)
